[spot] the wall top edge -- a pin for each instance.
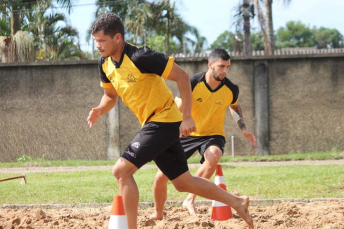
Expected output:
(271, 57)
(180, 59)
(50, 63)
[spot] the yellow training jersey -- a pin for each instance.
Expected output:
(209, 106)
(138, 80)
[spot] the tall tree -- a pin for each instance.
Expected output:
(138, 14)
(148, 19)
(269, 26)
(54, 39)
(232, 43)
(18, 8)
(5, 27)
(166, 21)
(295, 34)
(18, 48)
(243, 14)
(227, 41)
(328, 38)
(247, 27)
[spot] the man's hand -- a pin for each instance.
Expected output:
(187, 126)
(93, 117)
(249, 136)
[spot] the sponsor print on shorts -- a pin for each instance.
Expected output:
(132, 154)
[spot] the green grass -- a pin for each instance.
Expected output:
(27, 161)
(261, 182)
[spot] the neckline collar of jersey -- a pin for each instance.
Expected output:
(117, 65)
(209, 88)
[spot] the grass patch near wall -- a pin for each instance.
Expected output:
(260, 182)
(27, 161)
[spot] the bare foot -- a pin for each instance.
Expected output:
(189, 205)
(156, 216)
(243, 212)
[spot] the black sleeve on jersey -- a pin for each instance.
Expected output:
(102, 75)
(234, 88)
(150, 61)
(194, 80)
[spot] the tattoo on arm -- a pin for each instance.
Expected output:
(241, 124)
(238, 117)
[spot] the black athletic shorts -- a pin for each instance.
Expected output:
(191, 144)
(159, 142)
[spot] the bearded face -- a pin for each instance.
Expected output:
(219, 69)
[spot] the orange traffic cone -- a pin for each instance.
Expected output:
(220, 211)
(118, 220)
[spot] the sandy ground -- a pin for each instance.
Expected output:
(318, 214)
(326, 214)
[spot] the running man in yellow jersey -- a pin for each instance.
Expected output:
(212, 93)
(136, 75)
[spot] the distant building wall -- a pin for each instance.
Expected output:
(44, 107)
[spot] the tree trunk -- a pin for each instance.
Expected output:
(269, 27)
(247, 26)
(15, 19)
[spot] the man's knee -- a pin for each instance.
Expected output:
(160, 179)
(183, 182)
(181, 187)
(213, 155)
(123, 169)
(117, 173)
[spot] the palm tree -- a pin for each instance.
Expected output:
(51, 42)
(262, 23)
(19, 7)
(166, 21)
(5, 27)
(269, 26)
(264, 11)
(18, 48)
(147, 19)
(137, 16)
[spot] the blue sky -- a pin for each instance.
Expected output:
(213, 17)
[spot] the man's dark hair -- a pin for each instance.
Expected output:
(218, 54)
(110, 23)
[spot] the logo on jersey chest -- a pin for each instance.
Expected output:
(219, 101)
(131, 78)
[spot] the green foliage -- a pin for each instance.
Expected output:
(328, 38)
(226, 41)
(261, 182)
(257, 42)
(5, 27)
(296, 34)
(231, 43)
(158, 44)
(146, 20)
(24, 158)
(334, 154)
(54, 39)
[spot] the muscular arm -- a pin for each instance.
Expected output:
(237, 115)
(239, 119)
(183, 81)
(178, 101)
(107, 102)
